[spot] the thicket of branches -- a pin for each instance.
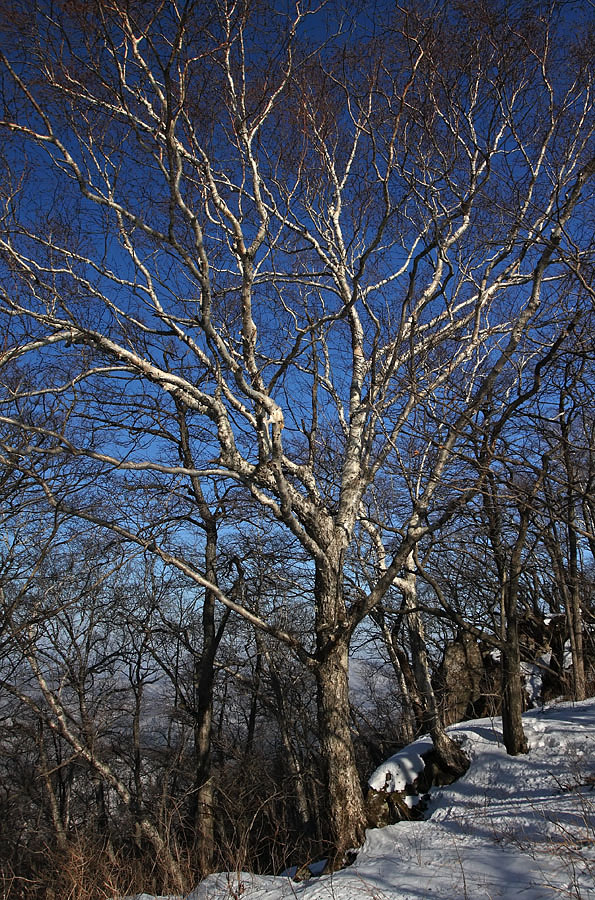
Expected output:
(297, 312)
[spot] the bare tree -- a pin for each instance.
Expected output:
(75, 673)
(302, 253)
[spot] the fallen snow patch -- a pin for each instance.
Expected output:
(401, 769)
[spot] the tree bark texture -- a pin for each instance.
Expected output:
(204, 681)
(345, 797)
(344, 792)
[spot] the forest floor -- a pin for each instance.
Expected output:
(511, 827)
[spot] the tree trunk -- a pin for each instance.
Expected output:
(345, 797)
(573, 605)
(413, 708)
(283, 715)
(510, 665)
(344, 792)
(567, 583)
(512, 703)
(45, 769)
(204, 675)
(203, 808)
(411, 714)
(449, 755)
(512, 688)
(297, 778)
(254, 701)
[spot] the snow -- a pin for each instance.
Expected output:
(149, 897)
(402, 768)
(533, 678)
(511, 827)
(567, 662)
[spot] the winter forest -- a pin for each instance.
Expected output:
(297, 432)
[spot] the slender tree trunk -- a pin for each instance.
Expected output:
(204, 806)
(573, 607)
(58, 824)
(137, 753)
(510, 664)
(412, 701)
(567, 581)
(512, 687)
(411, 704)
(254, 701)
(296, 774)
(450, 757)
(283, 716)
(575, 623)
(204, 674)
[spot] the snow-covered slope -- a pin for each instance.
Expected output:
(511, 827)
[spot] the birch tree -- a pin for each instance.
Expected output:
(304, 236)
